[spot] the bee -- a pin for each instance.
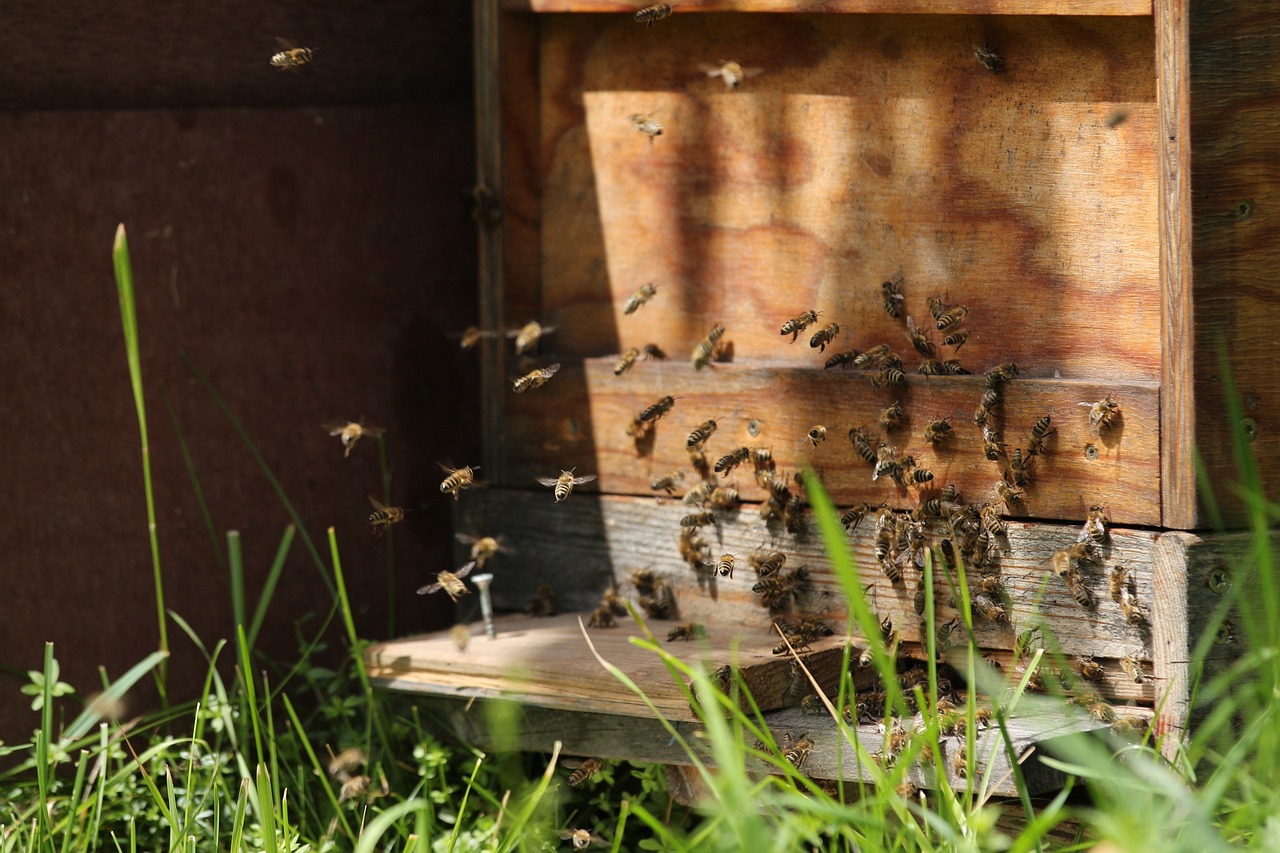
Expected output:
(1039, 432)
(797, 751)
(457, 479)
(960, 761)
(638, 429)
(1102, 414)
(602, 617)
(893, 298)
(534, 378)
(693, 549)
(543, 602)
(861, 446)
(889, 375)
(1089, 669)
(360, 787)
(699, 436)
(528, 335)
(797, 641)
(654, 352)
(931, 367)
(798, 324)
(667, 482)
(793, 515)
(383, 517)
(952, 318)
(660, 604)
(563, 485)
(626, 361)
(471, 336)
(761, 457)
(1020, 467)
(350, 432)
(920, 340)
(769, 565)
(991, 520)
(692, 631)
(990, 399)
(816, 435)
(989, 59)
(291, 57)
(646, 124)
(990, 611)
(724, 568)
(725, 498)
(708, 347)
(1095, 527)
(698, 519)
(450, 582)
(811, 706)
(1009, 494)
(843, 360)
(956, 338)
(731, 72)
(581, 839)
(1003, 372)
(812, 629)
(938, 430)
(1130, 728)
(919, 600)
(483, 548)
(643, 580)
(824, 336)
(1080, 592)
(853, 517)
(1132, 667)
(588, 768)
(921, 475)
(887, 464)
(700, 493)
(872, 357)
(656, 411)
(639, 298)
(343, 765)
(892, 417)
(652, 14)
(732, 460)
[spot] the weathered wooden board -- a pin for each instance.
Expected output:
(580, 420)
(590, 542)
(869, 145)
(914, 7)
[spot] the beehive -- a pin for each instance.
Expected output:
(1051, 197)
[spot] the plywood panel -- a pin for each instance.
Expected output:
(869, 145)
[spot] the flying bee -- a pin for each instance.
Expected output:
(816, 435)
(383, 517)
(648, 125)
(450, 582)
(1020, 467)
(1089, 669)
(343, 765)
(843, 360)
(824, 336)
(938, 430)
(660, 603)
(732, 460)
(1009, 494)
(350, 432)
(920, 340)
(563, 485)
(700, 493)
(639, 298)
(361, 787)
(291, 57)
(708, 347)
(581, 839)
(731, 72)
(698, 519)
(724, 568)
(1132, 667)
(654, 352)
(699, 436)
(1095, 526)
(543, 602)
(528, 336)
(668, 482)
(602, 617)
(534, 378)
(952, 318)
(1100, 709)
(656, 411)
(1040, 431)
(1103, 413)
(986, 606)
(956, 338)
(988, 58)
(893, 298)
(892, 417)
(861, 446)
(725, 498)
(652, 14)
(457, 479)
(872, 357)
(888, 375)
(626, 361)
(588, 768)
(471, 336)
(483, 548)
(797, 751)
(798, 324)
(692, 631)
(693, 548)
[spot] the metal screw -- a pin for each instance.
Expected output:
(1090, 452)
(1250, 427)
(1243, 209)
(753, 427)
(1220, 579)
(486, 604)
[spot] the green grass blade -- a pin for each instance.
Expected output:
(379, 825)
(92, 713)
(269, 588)
(235, 566)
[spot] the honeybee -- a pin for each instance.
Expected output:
(843, 360)
(383, 517)
(588, 768)
(626, 361)
(656, 411)
(798, 324)
(1020, 467)
(938, 430)
(1063, 559)
(1095, 527)
(700, 493)
(989, 59)
(471, 336)
(889, 374)
(892, 417)
(698, 519)
(708, 347)
(360, 787)
(543, 602)
(1002, 372)
(956, 338)
(450, 582)
(343, 765)
(692, 631)
(954, 367)
(725, 498)
(872, 357)
(1102, 414)
(952, 318)
(992, 612)
(893, 298)
(769, 565)
(761, 457)
(290, 57)
(1089, 669)
(797, 751)
(699, 436)
(457, 479)
(667, 482)
(1039, 432)
(991, 443)
(920, 340)
(639, 298)
(350, 432)
(654, 352)
(563, 485)
(1009, 494)
(1130, 728)
(483, 548)
(798, 642)
(960, 761)
(732, 460)
(990, 399)
(660, 603)
(651, 15)
(731, 72)
(1098, 708)
(816, 435)
(931, 367)
(648, 125)
(921, 475)
(824, 336)
(853, 517)
(528, 335)
(1124, 592)
(534, 378)
(811, 706)
(602, 617)
(1132, 667)
(991, 520)
(724, 568)
(693, 548)
(1080, 592)
(861, 446)
(581, 839)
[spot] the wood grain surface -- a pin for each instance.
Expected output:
(936, 7)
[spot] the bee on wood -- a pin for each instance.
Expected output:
(588, 768)
(986, 606)
(730, 72)
(626, 361)
(811, 706)
(991, 520)
(725, 499)
(693, 548)
(656, 411)
(824, 336)
(1124, 592)
(612, 600)
(938, 430)
(563, 485)
(1132, 667)
(931, 367)
(853, 516)
(990, 399)
(1040, 430)
(893, 298)
(708, 348)
(988, 58)
(842, 360)
(534, 378)
(816, 435)
(290, 57)
(937, 306)
(797, 752)
(450, 582)
(797, 641)
(1089, 669)
(654, 352)
(793, 515)
(652, 14)
(581, 839)
(1009, 494)
(648, 125)
(639, 298)
(699, 436)
(920, 340)
(861, 446)
(700, 493)
(951, 319)
(991, 443)
(660, 603)
(383, 517)
(960, 761)
(732, 460)
(761, 457)
(1102, 414)
(872, 357)
(889, 374)
(698, 519)
(483, 548)
(813, 629)
(1095, 527)
(528, 336)
(350, 432)
(692, 631)
(954, 367)
(543, 602)
(956, 338)
(1003, 372)
(920, 475)
(1075, 584)
(1020, 467)
(724, 568)
(668, 482)
(798, 324)
(602, 617)
(643, 580)
(892, 417)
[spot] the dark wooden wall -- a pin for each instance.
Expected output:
(303, 238)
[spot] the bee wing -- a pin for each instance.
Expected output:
(548, 481)
(465, 569)
(373, 431)
(551, 369)
(465, 538)
(447, 468)
(587, 478)
(336, 427)
(752, 72)
(377, 504)
(710, 70)
(429, 588)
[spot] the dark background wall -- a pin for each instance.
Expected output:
(303, 238)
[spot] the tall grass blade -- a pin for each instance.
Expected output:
(379, 825)
(92, 713)
(235, 567)
(269, 588)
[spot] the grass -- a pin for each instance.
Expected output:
(247, 764)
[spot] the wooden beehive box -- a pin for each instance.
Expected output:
(1053, 198)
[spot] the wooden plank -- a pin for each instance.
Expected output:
(1173, 595)
(590, 542)
(888, 148)
(838, 7)
(581, 418)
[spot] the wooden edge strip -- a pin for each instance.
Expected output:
(837, 7)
